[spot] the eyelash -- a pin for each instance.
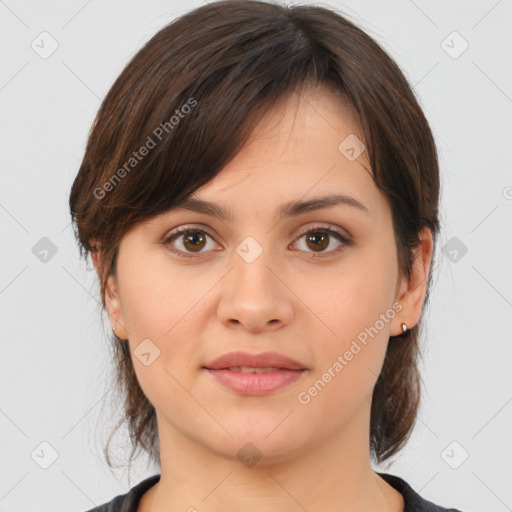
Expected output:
(183, 230)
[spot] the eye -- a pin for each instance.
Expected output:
(192, 241)
(320, 238)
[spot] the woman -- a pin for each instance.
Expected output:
(259, 195)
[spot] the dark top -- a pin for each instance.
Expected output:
(413, 501)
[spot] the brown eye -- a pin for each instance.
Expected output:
(194, 240)
(188, 242)
(191, 242)
(317, 240)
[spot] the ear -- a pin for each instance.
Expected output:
(412, 292)
(112, 299)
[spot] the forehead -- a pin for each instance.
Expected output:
(312, 111)
(298, 150)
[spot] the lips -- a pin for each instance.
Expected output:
(255, 374)
(244, 361)
(256, 384)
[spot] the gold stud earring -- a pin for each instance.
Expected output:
(404, 327)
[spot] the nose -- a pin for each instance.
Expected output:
(254, 296)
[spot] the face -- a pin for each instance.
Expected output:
(320, 286)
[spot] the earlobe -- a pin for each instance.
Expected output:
(112, 300)
(114, 310)
(413, 292)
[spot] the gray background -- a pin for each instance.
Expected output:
(54, 360)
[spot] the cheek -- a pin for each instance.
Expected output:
(161, 303)
(358, 311)
(355, 298)
(156, 295)
(161, 322)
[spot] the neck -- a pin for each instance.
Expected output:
(327, 476)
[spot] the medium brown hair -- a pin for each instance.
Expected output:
(230, 62)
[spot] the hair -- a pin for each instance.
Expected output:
(206, 79)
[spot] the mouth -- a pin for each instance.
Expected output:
(255, 374)
(253, 381)
(249, 369)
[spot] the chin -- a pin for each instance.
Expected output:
(258, 444)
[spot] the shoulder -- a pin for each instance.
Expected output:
(129, 501)
(413, 502)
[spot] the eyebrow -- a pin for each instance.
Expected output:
(289, 209)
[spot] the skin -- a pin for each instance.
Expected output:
(314, 456)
